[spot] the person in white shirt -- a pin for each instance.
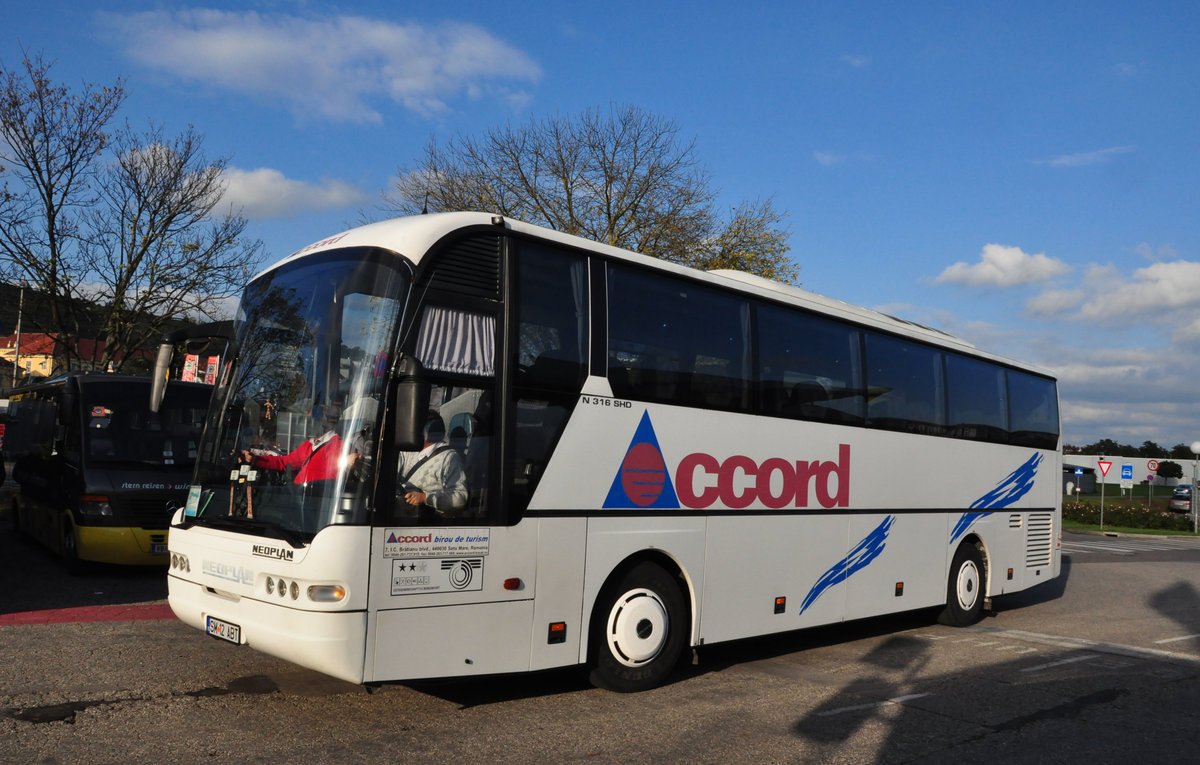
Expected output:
(433, 478)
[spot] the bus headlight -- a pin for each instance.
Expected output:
(95, 508)
(326, 593)
(180, 561)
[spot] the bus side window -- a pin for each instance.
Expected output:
(1033, 402)
(455, 346)
(677, 342)
(905, 386)
(809, 367)
(549, 358)
(976, 399)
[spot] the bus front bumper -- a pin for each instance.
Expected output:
(122, 545)
(330, 642)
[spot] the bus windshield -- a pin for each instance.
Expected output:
(290, 441)
(118, 428)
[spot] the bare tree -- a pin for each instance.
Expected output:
(118, 231)
(156, 245)
(51, 141)
(622, 177)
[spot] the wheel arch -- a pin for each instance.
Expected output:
(663, 560)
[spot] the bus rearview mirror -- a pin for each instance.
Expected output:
(410, 403)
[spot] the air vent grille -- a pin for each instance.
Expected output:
(469, 266)
(1039, 540)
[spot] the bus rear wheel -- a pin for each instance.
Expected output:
(964, 591)
(639, 630)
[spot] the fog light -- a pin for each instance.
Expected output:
(270, 586)
(294, 591)
(282, 589)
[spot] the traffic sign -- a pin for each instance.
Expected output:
(1152, 466)
(1126, 477)
(1104, 466)
(1078, 471)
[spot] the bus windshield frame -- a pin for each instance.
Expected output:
(292, 433)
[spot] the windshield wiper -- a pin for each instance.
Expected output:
(266, 528)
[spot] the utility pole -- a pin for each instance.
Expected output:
(17, 357)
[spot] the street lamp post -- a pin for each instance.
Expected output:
(1195, 486)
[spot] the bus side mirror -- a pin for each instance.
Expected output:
(158, 381)
(409, 406)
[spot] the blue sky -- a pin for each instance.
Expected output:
(1021, 174)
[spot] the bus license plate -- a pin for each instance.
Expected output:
(223, 629)
(158, 549)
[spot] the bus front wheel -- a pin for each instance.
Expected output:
(964, 591)
(640, 630)
(70, 550)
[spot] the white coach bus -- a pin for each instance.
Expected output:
(646, 458)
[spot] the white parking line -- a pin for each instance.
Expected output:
(1176, 639)
(1061, 662)
(1113, 649)
(874, 705)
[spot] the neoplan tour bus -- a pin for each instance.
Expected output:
(100, 474)
(636, 458)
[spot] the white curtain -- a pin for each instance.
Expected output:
(457, 341)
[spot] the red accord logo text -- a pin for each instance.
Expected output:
(701, 480)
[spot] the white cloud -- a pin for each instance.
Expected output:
(1053, 302)
(857, 61)
(1150, 291)
(331, 67)
(1001, 266)
(1130, 69)
(1155, 254)
(1086, 158)
(266, 193)
(831, 158)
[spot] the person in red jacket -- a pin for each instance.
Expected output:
(317, 459)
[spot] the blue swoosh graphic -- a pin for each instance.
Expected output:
(1017, 484)
(859, 558)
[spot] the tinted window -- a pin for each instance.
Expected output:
(552, 336)
(552, 290)
(808, 367)
(1033, 403)
(904, 386)
(976, 399)
(677, 342)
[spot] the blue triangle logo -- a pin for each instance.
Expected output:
(643, 480)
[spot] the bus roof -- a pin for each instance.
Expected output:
(412, 236)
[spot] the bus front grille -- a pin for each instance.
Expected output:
(152, 512)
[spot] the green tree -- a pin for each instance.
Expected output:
(1107, 446)
(1169, 469)
(622, 177)
(1181, 452)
